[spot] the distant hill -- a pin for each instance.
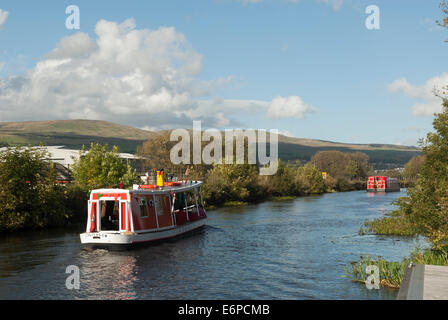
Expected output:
(75, 133)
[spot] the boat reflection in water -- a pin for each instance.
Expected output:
(101, 267)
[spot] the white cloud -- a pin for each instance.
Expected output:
(124, 75)
(140, 77)
(3, 17)
(289, 107)
(286, 133)
(429, 103)
(278, 108)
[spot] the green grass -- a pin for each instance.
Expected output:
(392, 225)
(234, 204)
(391, 272)
(282, 198)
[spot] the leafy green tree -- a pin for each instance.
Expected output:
(427, 205)
(283, 182)
(310, 179)
(392, 173)
(413, 167)
(343, 165)
(29, 196)
(232, 182)
(444, 7)
(100, 168)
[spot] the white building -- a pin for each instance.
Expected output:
(67, 157)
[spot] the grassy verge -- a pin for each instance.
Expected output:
(392, 225)
(282, 198)
(391, 273)
(234, 204)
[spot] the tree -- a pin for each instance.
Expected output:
(283, 182)
(29, 196)
(342, 165)
(100, 168)
(310, 179)
(444, 7)
(427, 204)
(413, 167)
(392, 173)
(232, 182)
(155, 152)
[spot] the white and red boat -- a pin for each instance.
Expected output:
(382, 184)
(120, 218)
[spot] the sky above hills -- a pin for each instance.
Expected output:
(309, 68)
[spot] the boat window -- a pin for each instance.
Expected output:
(159, 205)
(110, 210)
(143, 207)
(179, 204)
(190, 198)
(200, 199)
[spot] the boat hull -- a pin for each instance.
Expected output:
(384, 190)
(130, 240)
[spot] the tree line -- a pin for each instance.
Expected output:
(30, 198)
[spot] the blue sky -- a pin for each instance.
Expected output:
(309, 68)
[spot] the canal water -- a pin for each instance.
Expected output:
(295, 249)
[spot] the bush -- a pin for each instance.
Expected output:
(29, 196)
(232, 182)
(100, 168)
(309, 180)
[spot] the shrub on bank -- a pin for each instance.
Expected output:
(391, 273)
(393, 225)
(230, 182)
(75, 201)
(101, 168)
(242, 183)
(29, 196)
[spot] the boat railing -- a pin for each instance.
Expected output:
(170, 175)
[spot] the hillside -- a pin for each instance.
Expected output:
(75, 133)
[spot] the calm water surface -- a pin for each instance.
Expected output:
(295, 249)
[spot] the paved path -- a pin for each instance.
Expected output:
(424, 282)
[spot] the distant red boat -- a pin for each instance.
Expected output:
(382, 184)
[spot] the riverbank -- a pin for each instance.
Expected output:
(347, 187)
(392, 272)
(75, 200)
(396, 224)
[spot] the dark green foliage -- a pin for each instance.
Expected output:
(242, 183)
(425, 210)
(29, 196)
(102, 168)
(342, 165)
(231, 182)
(428, 200)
